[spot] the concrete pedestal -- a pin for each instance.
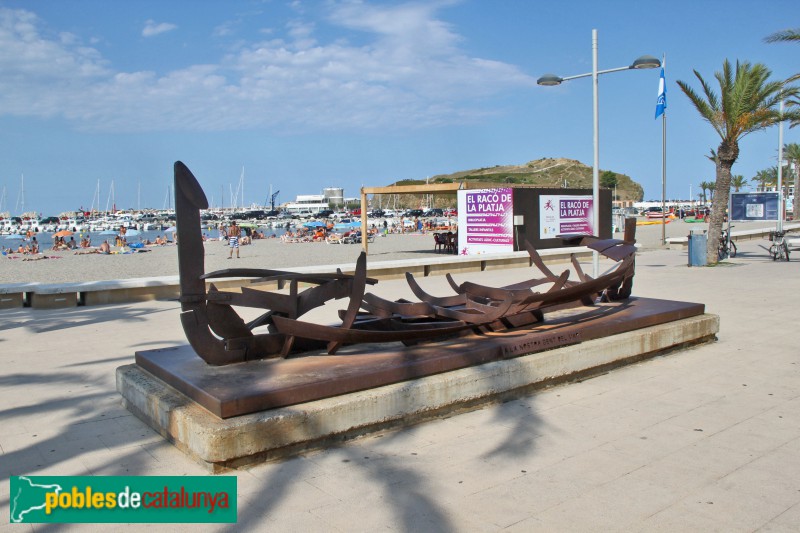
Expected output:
(279, 431)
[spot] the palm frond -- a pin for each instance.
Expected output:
(707, 111)
(747, 100)
(783, 36)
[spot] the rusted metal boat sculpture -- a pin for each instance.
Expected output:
(220, 336)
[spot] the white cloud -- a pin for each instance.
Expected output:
(406, 72)
(152, 28)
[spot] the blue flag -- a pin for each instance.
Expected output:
(661, 103)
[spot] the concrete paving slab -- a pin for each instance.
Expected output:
(43, 380)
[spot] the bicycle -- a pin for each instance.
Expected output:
(727, 248)
(778, 249)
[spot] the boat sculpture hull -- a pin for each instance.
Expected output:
(220, 336)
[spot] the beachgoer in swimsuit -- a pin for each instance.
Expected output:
(105, 248)
(233, 239)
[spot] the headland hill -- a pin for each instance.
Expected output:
(545, 172)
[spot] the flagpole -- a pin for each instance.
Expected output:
(663, 175)
(664, 163)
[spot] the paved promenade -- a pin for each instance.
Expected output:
(702, 440)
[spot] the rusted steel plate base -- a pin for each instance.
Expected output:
(253, 386)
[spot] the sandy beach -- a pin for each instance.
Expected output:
(66, 266)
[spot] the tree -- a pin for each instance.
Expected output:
(711, 188)
(766, 178)
(747, 102)
(792, 154)
(608, 179)
(704, 186)
(737, 182)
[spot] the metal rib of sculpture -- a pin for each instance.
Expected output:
(220, 336)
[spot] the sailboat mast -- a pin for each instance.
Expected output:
(95, 198)
(110, 196)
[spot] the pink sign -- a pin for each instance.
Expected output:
(485, 221)
(564, 215)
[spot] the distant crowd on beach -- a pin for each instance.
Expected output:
(30, 248)
(327, 232)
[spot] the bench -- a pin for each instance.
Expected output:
(13, 295)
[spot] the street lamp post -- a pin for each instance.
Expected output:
(642, 62)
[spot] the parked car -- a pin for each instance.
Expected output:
(411, 213)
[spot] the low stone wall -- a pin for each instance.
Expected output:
(682, 243)
(65, 295)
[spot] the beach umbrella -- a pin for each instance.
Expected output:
(132, 233)
(108, 232)
(170, 229)
(63, 233)
(15, 237)
(313, 224)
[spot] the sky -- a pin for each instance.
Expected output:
(297, 96)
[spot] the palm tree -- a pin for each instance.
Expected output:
(711, 188)
(792, 154)
(766, 178)
(704, 186)
(747, 102)
(737, 182)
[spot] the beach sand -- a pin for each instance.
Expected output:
(267, 253)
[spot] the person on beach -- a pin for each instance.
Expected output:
(234, 232)
(105, 248)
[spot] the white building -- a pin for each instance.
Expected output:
(307, 204)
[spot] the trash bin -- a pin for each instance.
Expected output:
(697, 248)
